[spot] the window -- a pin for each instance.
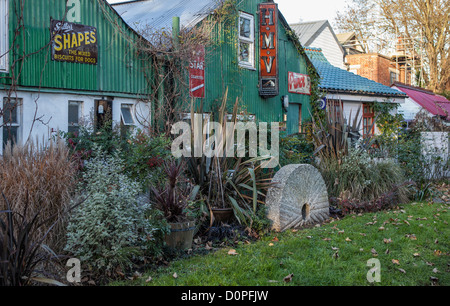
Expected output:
(11, 120)
(393, 77)
(368, 120)
(126, 111)
(4, 40)
(246, 41)
(75, 111)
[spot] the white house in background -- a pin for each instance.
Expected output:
(320, 34)
(347, 92)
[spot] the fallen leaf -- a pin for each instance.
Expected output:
(272, 281)
(435, 270)
(362, 234)
(232, 252)
(336, 255)
(294, 230)
(386, 241)
(175, 275)
(429, 263)
(271, 244)
(374, 252)
(436, 241)
(416, 254)
(149, 279)
(348, 239)
(395, 261)
(381, 228)
(326, 239)
(275, 239)
(341, 232)
(406, 222)
(288, 278)
(401, 270)
(309, 237)
(387, 251)
(437, 252)
(434, 279)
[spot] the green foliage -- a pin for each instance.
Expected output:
(358, 176)
(295, 149)
(110, 228)
(145, 157)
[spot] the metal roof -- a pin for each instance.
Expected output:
(157, 14)
(435, 104)
(334, 79)
(308, 31)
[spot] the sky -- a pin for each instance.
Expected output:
(303, 10)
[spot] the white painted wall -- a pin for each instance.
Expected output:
(52, 111)
(409, 109)
(435, 147)
(330, 48)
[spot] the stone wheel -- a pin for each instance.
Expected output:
(299, 198)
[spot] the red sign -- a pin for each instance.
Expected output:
(197, 73)
(268, 29)
(299, 83)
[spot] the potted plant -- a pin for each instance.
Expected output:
(173, 200)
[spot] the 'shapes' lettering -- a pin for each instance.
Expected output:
(74, 40)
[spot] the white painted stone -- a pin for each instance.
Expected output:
(299, 197)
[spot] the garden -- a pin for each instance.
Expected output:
(122, 206)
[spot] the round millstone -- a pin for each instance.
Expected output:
(299, 197)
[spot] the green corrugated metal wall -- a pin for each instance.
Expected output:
(119, 68)
(222, 71)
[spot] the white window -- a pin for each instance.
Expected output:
(11, 120)
(126, 113)
(75, 111)
(246, 41)
(4, 40)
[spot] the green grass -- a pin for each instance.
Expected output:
(309, 255)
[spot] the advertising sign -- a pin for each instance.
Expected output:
(197, 73)
(299, 83)
(268, 29)
(73, 43)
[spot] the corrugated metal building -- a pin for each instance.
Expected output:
(243, 53)
(65, 61)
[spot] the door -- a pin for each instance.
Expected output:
(294, 119)
(103, 114)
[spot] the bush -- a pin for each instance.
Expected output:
(144, 159)
(295, 149)
(359, 177)
(110, 229)
(39, 179)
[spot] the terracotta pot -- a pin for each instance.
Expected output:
(225, 215)
(181, 235)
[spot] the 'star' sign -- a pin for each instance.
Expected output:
(197, 73)
(268, 29)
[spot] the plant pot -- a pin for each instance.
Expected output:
(225, 215)
(181, 235)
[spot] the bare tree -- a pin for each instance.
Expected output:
(424, 21)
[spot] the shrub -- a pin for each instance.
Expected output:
(110, 228)
(359, 177)
(295, 149)
(144, 158)
(40, 179)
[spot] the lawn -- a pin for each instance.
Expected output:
(411, 243)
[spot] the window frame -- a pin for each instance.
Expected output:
(80, 112)
(17, 124)
(368, 115)
(248, 40)
(4, 36)
(132, 113)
